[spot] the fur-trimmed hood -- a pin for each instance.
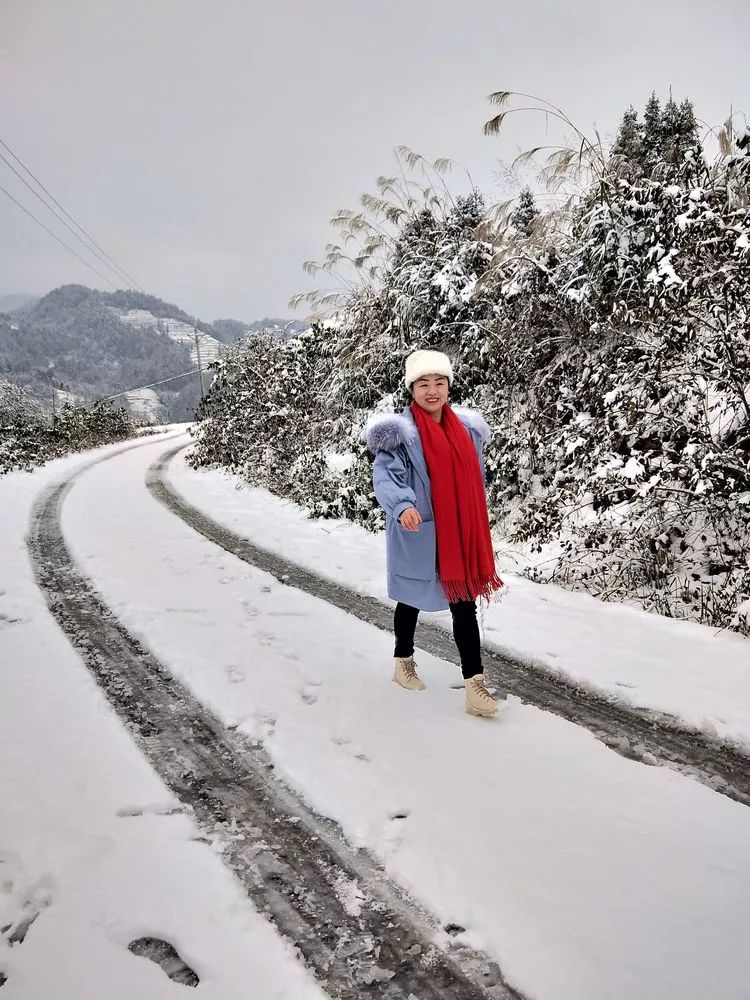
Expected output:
(386, 431)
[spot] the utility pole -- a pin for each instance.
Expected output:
(198, 353)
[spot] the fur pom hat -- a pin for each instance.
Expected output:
(422, 363)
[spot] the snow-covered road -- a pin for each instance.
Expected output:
(90, 838)
(696, 674)
(354, 928)
(638, 733)
(586, 876)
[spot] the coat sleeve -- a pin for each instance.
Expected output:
(391, 482)
(478, 437)
(482, 464)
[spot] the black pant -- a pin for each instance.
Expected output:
(465, 632)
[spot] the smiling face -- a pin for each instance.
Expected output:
(430, 392)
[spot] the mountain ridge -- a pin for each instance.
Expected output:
(87, 344)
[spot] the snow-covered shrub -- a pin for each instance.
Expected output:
(263, 416)
(79, 427)
(628, 445)
(23, 429)
(17, 406)
(29, 437)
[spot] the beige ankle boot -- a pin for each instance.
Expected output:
(479, 701)
(405, 673)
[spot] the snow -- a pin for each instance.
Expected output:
(145, 405)
(665, 273)
(633, 469)
(339, 462)
(176, 329)
(86, 833)
(350, 895)
(63, 396)
(724, 415)
(687, 670)
(585, 874)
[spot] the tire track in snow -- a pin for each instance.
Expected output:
(291, 862)
(648, 737)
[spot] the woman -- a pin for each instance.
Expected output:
(429, 479)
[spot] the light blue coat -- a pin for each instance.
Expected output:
(401, 480)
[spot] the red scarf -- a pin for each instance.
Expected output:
(466, 562)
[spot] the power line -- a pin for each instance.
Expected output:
(66, 213)
(56, 237)
(193, 371)
(115, 270)
(117, 395)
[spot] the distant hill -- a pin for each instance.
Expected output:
(9, 303)
(85, 344)
(75, 340)
(230, 330)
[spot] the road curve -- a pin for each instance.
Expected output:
(290, 861)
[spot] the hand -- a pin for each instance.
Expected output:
(410, 519)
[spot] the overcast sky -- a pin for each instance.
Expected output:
(205, 144)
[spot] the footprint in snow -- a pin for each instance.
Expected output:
(163, 954)
(259, 728)
(307, 693)
(350, 749)
(6, 620)
(454, 929)
(269, 721)
(235, 674)
(33, 904)
(393, 831)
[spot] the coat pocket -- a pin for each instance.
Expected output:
(412, 553)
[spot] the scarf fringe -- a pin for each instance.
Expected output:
(471, 590)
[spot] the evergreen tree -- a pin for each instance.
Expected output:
(651, 147)
(679, 131)
(689, 138)
(629, 142)
(525, 212)
(670, 132)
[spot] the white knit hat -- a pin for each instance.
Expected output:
(422, 363)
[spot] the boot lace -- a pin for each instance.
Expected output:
(480, 690)
(410, 669)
